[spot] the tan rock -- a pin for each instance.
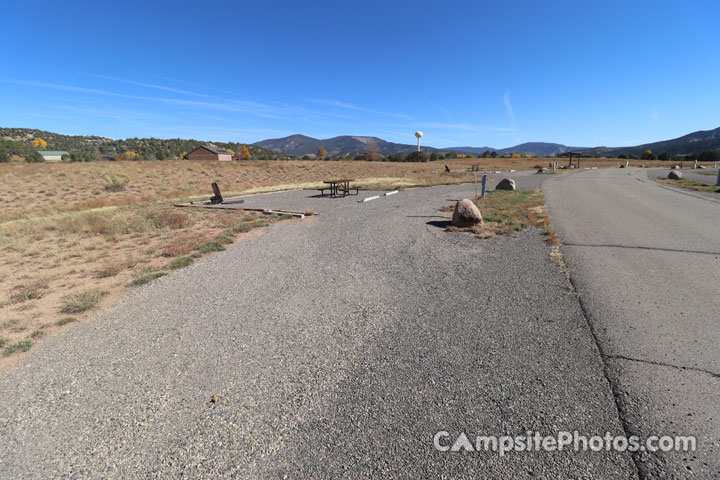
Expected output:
(466, 214)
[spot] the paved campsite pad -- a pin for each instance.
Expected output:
(338, 347)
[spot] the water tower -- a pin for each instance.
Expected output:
(418, 135)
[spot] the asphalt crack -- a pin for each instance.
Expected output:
(617, 392)
(662, 364)
(640, 247)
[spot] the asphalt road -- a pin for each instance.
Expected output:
(340, 345)
(646, 261)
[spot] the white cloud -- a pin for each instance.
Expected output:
(508, 106)
(350, 106)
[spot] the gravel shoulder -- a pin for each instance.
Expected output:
(339, 346)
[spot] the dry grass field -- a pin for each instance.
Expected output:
(75, 236)
(37, 189)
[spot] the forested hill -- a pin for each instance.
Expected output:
(19, 141)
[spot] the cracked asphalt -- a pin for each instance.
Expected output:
(340, 344)
(646, 261)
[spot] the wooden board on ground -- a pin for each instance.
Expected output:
(237, 205)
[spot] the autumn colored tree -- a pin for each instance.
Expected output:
(371, 151)
(130, 155)
(322, 153)
(244, 153)
(40, 143)
(183, 155)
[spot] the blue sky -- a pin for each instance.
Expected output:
(582, 73)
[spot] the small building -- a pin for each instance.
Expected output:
(52, 156)
(207, 152)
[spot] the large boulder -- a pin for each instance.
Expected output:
(675, 167)
(675, 175)
(506, 184)
(542, 170)
(466, 214)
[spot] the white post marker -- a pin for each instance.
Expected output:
(484, 181)
(695, 166)
(370, 198)
(627, 164)
(391, 193)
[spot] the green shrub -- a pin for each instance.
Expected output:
(421, 157)
(34, 157)
(80, 156)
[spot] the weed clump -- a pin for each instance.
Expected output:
(81, 302)
(180, 263)
(147, 278)
(29, 291)
(21, 346)
(208, 247)
(115, 183)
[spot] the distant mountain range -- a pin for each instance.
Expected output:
(298, 145)
(691, 143)
(346, 145)
(337, 146)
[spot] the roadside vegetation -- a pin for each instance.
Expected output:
(506, 212)
(690, 185)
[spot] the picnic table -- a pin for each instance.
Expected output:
(339, 187)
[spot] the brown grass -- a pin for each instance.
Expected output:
(509, 212)
(49, 263)
(69, 187)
